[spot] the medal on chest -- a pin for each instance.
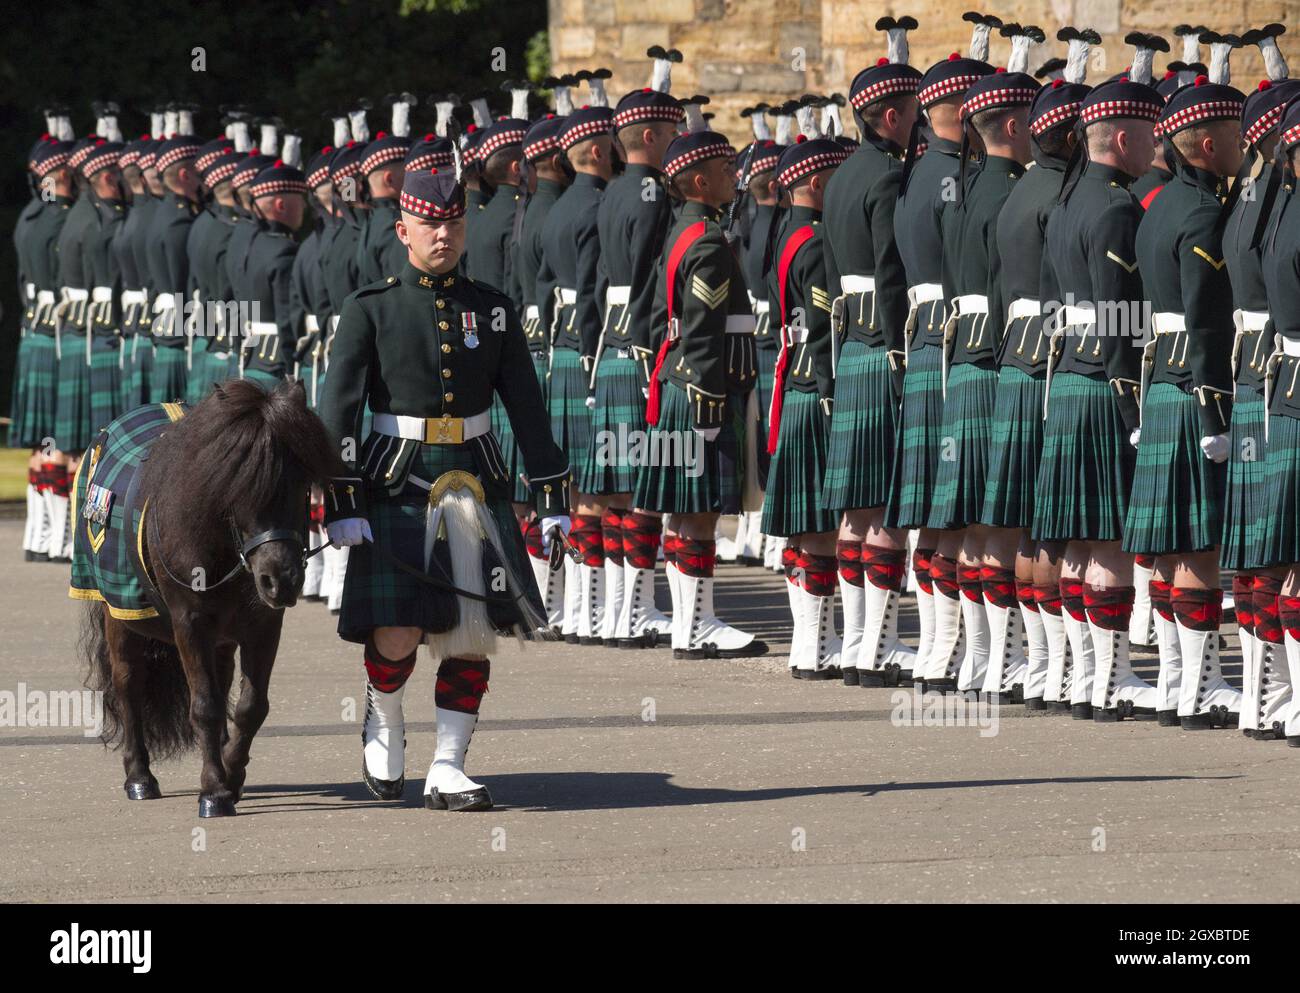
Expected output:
(469, 327)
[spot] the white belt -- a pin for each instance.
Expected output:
(567, 296)
(312, 323)
(1250, 320)
(741, 324)
(1023, 307)
(761, 307)
(971, 303)
(334, 323)
(857, 284)
(1291, 347)
(102, 294)
(45, 298)
(531, 313)
(75, 295)
(29, 289)
(1165, 322)
(924, 293)
(1077, 316)
(617, 296)
(164, 301)
(413, 428)
(795, 334)
(132, 298)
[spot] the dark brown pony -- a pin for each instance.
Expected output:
(227, 487)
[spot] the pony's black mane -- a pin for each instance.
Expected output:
(239, 447)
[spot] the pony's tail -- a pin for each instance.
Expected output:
(165, 696)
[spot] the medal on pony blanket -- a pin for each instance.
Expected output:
(469, 326)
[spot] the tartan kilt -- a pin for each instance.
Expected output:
(142, 369)
(916, 449)
(18, 392)
(267, 380)
(793, 504)
(509, 450)
(566, 402)
(1279, 501)
(34, 420)
(962, 467)
(73, 431)
(864, 421)
(619, 411)
(767, 358)
(1243, 497)
(1087, 466)
(1176, 504)
(167, 378)
(1015, 448)
(207, 369)
(678, 476)
(375, 592)
(105, 382)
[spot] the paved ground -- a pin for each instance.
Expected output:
(746, 785)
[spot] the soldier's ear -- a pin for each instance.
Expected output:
(402, 235)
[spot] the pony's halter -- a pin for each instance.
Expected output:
(246, 548)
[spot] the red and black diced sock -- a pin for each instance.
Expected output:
(584, 532)
(1109, 608)
(47, 475)
(1243, 600)
(968, 578)
(884, 566)
(1048, 596)
(790, 562)
(1160, 594)
(1145, 561)
(60, 481)
(1288, 611)
(1072, 598)
(461, 684)
(1197, 610)
(999, 585)
(387, 675)
(921, 569)
(943, 573)
(696, 557)
(818, 573)
(1264, 608)
(532, 530)
(34, 478)
(849, 556)
(611, 529)
(641, 536)
(1027, 596)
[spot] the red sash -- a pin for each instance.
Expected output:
(1150, 198)
(684, 241)
(792, 246)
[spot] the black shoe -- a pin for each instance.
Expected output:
(905, 677)
(1293, 740)
(609, 642)
(1081, 711)
(39, 557)
(1017, 692)
(794, 672)
(1058, 707)
(821, 675)
(944, 685)
(850, 674)
(1167, 718)
(1035, 703)
(872, 678)
(479, 799)
(28, 555)
(589, 641)
(1106, 715)
(753, 650)
(382, 789)
(571, 638)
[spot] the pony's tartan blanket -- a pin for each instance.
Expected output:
(105, 543)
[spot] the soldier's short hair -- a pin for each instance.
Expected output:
(1100, 136)
(497, 168)
(874, 112)
(1055, 141)
(988, 123)
(1188, 139)
(630, 136)
(758, 183)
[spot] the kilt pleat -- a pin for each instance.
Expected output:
(677, 471)
(916, 449)
(207, 370)
(39, 402)
(566, 402)
(1086, 471)
(105, 383)
(1279, 502)
(1243, 497)
(864, 421)
(1015, 448)
(72, 427)
(141, 362)
(505, 435)
(767, 358)
(963, 462)
(1176, 503)
(793, 504)
(18, 391)
(620, 409)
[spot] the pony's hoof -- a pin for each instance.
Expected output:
(216, 806)
(147, 790)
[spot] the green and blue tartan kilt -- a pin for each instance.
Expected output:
(963, 463)
(40, 402)
(916, 449)
(505, 435)
(1176, 503)
(793, 501)
(566, 402)
(541, 362)
(679, 472)
(375, 592)
(864, 421)
(206, 370)
(167, 379)
(73, 430)
(105, 382)
(1279, 500)
(619, 412)
(1243, 496)
(1015, 448)
(140, 360)
(1086, 471)
(767, 358)
(267, 380)
(21, 386)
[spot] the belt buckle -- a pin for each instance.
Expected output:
(445, 430)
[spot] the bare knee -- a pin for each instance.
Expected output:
(397, 643)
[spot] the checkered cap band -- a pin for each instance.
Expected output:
(1206, 111)
(51, 162)
(1267, 121)
(499, 140)
(80, 156)
(220, 173)
(205, 160)
(766, 161)
(147, 159)
(540, 147)
(97, 163)
(884, 88)
(1291, 136)
(581, 132)
(243, 177)
(713, 150)
(277, 186)
(1011, 96)
(427, 208)
(648, 112)
(319, 177)
(174, 155)
(946, 88)
(430, 160)
(343, 171)
(1104, 110)
(1057, 115)
(129, 157)
(814, 163)
(382, 156)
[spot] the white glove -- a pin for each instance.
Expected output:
(1134, 437)
(591, 403)
(1215, 447)
(562, 522)
(708, 434)
(349, 531)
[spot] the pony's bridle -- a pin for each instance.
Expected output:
(246, 548)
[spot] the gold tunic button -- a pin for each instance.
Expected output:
(441, 303)
(446, 349)
(448, 397)
(446, 374)
(443, 325)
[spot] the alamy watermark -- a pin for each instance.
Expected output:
(640, 448)
(27, 708)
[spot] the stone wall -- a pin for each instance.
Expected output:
(742, 51)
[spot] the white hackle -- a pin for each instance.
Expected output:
(896, 49)
(661, 75)
(157, 121)
(270, 143)
(1076, 60)
(291, 150)
(1143, 60)
(1018, 60)
(759, 125)
(185, 122)
(359, 125)
(342, 133)
(112, 131)
(241, 136)
(979, 42)
(482, 116)
(563, 100)
(1192, 46)
(401, 120)
(784, 129)
(1220, 55)
(598, 95)
(519, 104)
(169, 123)
(1274, 64)
(807, 118)
(832, 123)
(695, 118)
(442, 123)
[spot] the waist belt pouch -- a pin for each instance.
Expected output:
(385, 462)
(493, 472)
